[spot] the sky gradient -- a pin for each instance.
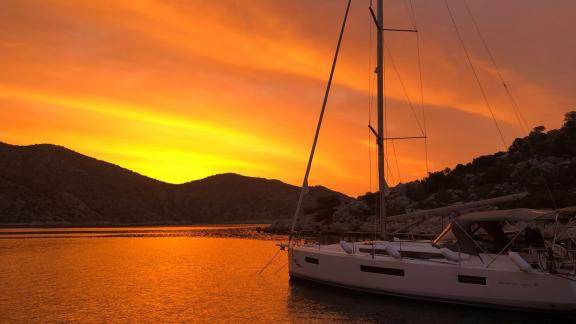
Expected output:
(180, 90)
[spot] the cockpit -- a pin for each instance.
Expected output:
(499, 231)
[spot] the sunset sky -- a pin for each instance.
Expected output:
(183, 89)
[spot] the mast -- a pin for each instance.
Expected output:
(382, 186)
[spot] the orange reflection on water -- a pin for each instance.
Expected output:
(186, 279)
(169, 279)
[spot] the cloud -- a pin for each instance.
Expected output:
(184, 89)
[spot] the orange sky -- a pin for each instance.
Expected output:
(180, 90)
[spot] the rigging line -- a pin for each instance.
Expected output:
(409, 5)
(385, 143)
(391, 60)
(370, 77)
(387, 162)
(304, 188)
(369, 155)
(390, 174)
(371, 86)
(516, 109)
(373, 89)
(282, 267)
(475, 73)
(410, 13)
(396, 159)
(426, 155)
(387, 172)
(269, 262)
(421, 84)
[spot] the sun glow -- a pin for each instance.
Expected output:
(183, 90)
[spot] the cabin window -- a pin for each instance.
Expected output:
(380, 270)
(377, 251)
(421, 255)
(311, 260)
(472, 280)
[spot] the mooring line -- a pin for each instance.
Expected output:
(269, 262)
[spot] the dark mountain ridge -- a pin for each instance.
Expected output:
(49, 184)
(543, 164)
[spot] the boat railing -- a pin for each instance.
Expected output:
(411, 236)
(556, 260)
(325, 238)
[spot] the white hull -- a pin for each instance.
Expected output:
(503, 286)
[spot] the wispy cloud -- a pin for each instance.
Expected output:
(181, 90)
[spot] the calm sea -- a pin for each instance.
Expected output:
(187, 274)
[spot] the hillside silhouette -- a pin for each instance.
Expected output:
(49, 184)
(543, 164)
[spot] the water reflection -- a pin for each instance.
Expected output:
(189, 278)
(231, 230)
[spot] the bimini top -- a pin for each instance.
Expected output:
(518, 214)
(489, 221)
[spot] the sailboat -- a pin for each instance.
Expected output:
(492, 258)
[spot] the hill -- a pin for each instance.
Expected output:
(542, 164)
(49, 184)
